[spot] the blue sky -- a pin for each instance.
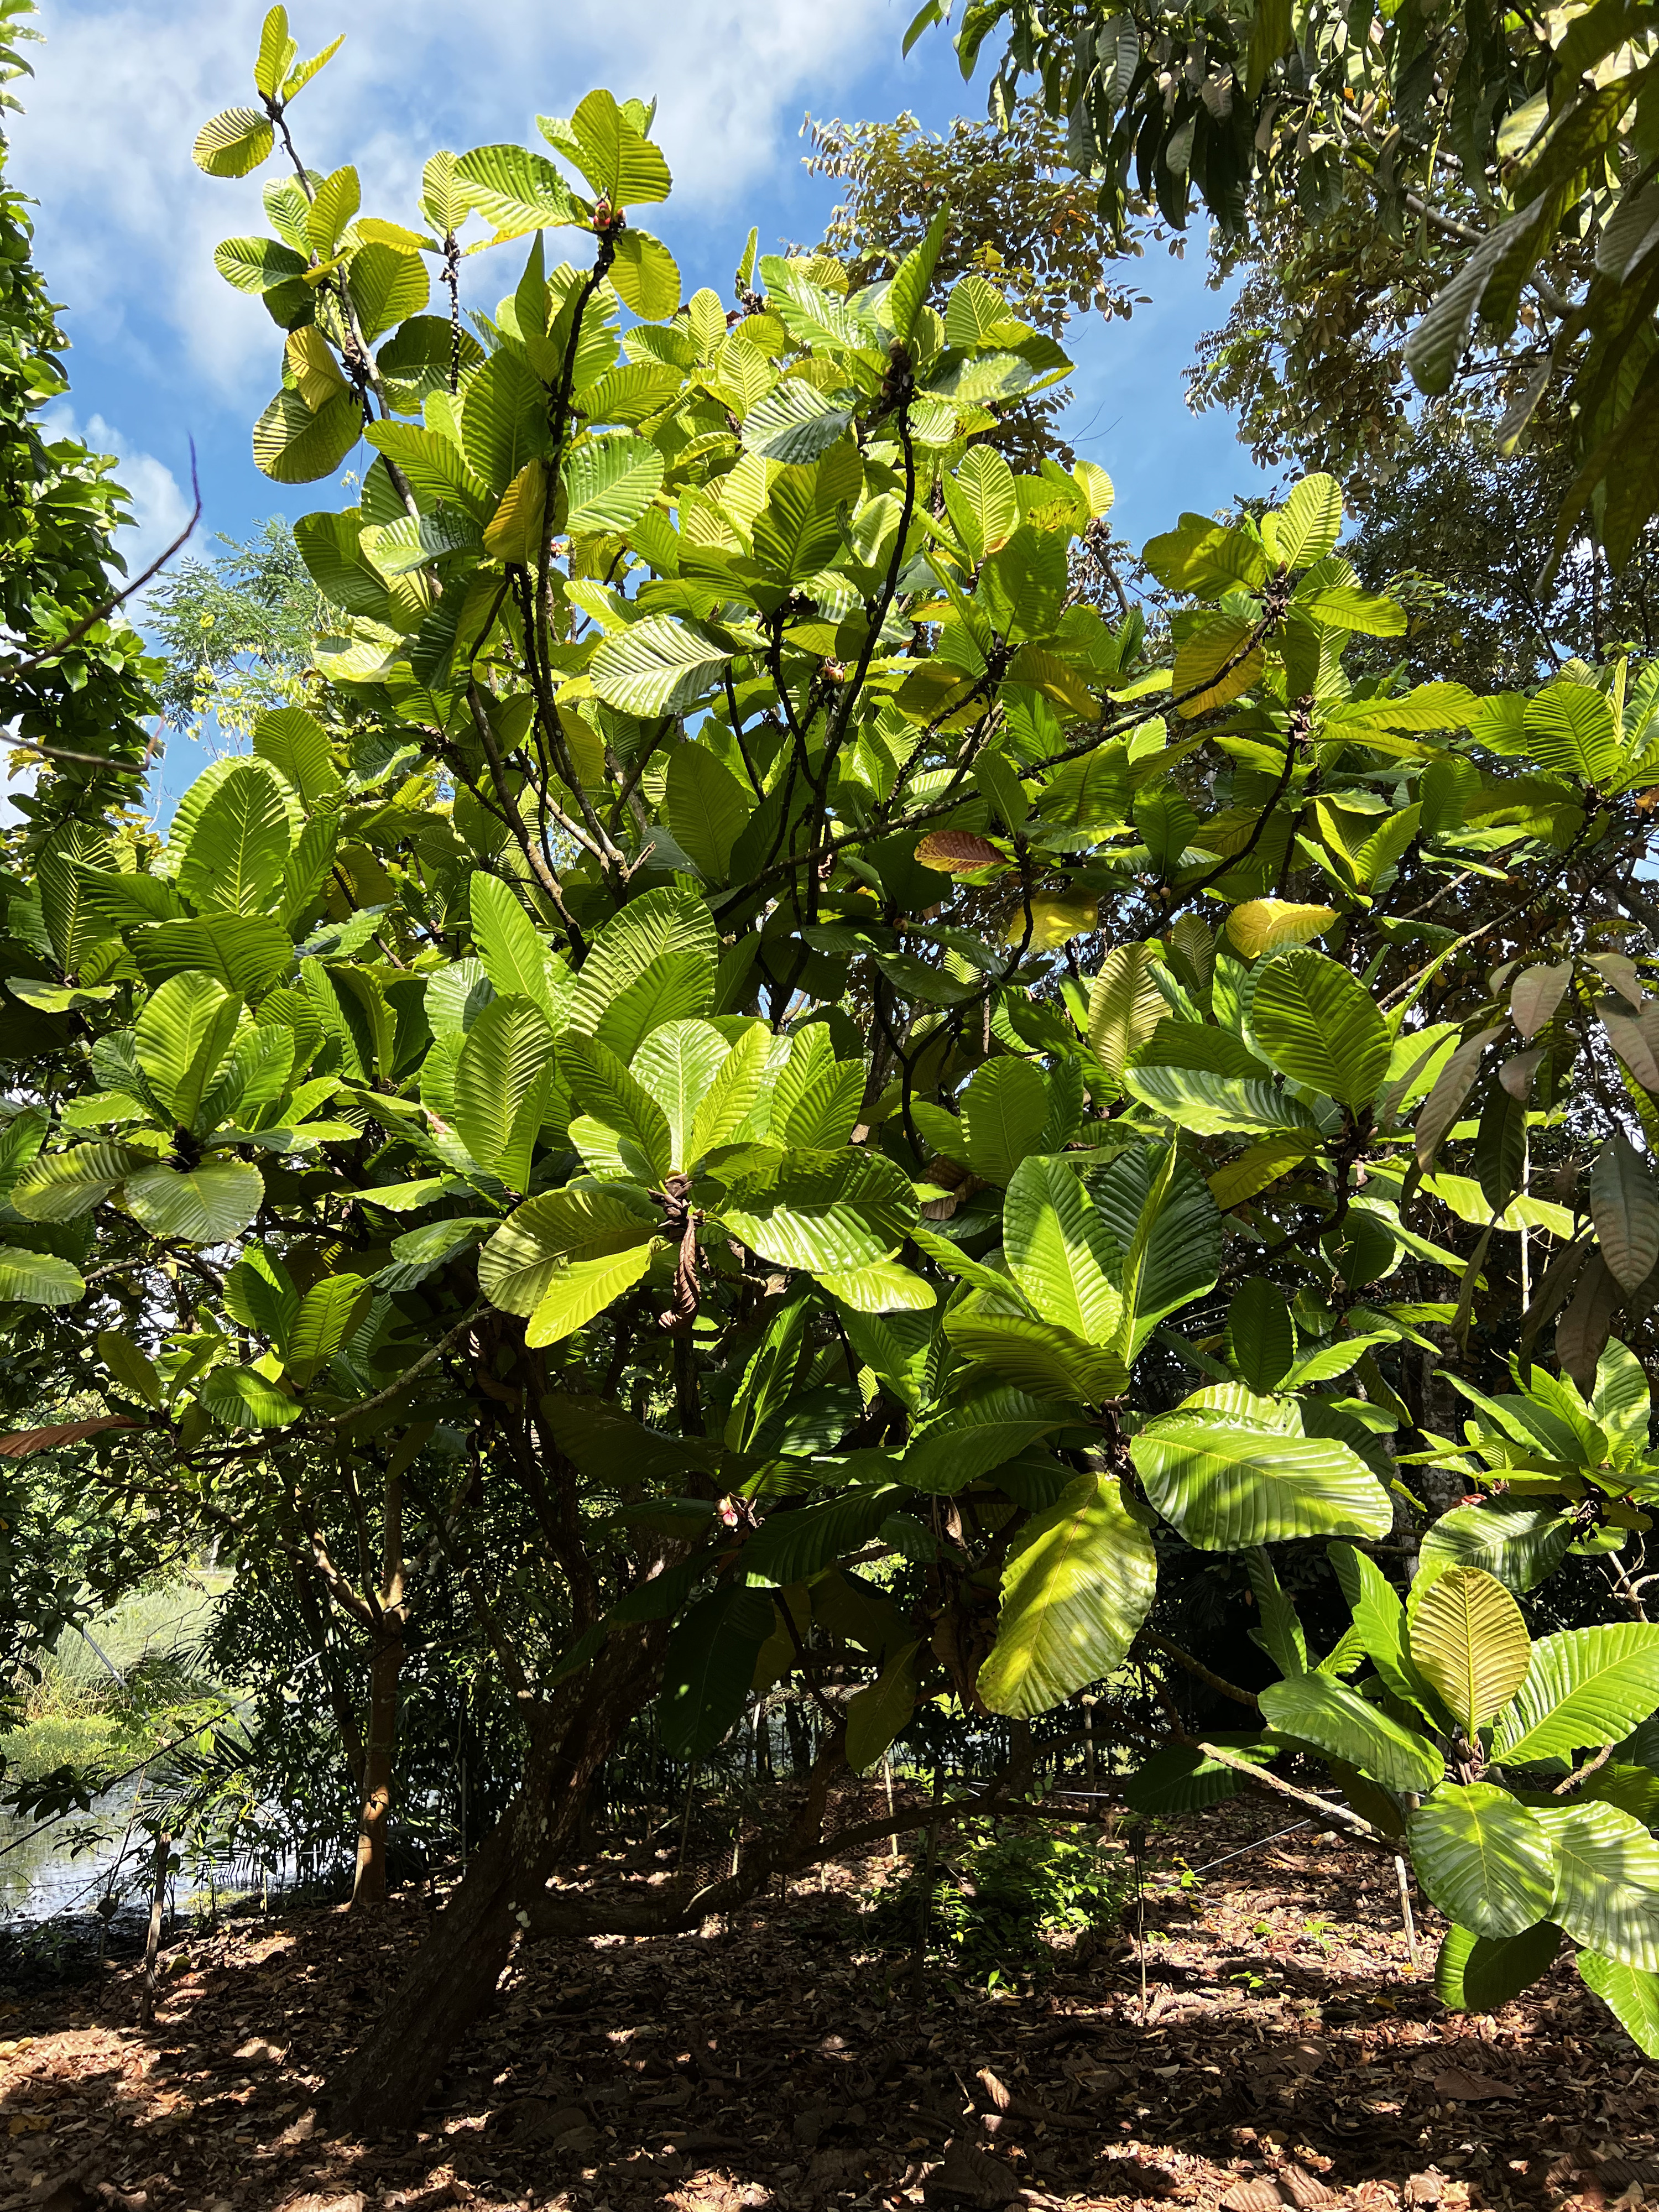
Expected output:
(163, 351)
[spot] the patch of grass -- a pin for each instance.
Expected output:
(56, 1740)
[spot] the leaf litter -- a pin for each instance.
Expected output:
(1292, 2056)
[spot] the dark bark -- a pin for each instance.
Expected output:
(374, 1808)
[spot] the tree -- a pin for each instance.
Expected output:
(1017, 218)
(240, 631)
(1495, 145)
(75, 680)
(830, 1046)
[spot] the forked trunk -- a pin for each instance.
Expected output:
(375, 1807)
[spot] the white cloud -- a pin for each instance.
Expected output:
(127, 225)
(160, 507)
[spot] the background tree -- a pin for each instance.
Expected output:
(1506, 141)
(791, 1054)
(239, 633)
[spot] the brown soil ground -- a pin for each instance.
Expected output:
(1293, 2056)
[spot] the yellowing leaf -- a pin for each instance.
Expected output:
(1264, 925)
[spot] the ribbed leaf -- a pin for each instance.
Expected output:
(1225, 1488)
(1518, 1543)
(960, 1446)
(610, 483)
(656, 666)
(1571, 728)
(603, 1089)
(204, 1204)
(1607, 1891)
(1004, 1110)
(242, 1398)
(830, 1212)
(1623, 1202)
(1483, 1974)
(1180, 1778)
(293, 446)
(518, 1264)
(1038, 1356)
(579, 1289)
(516, 189)
(645, 275)
(1074, 1592)
(328, 1314)
(1585, 1687)
(1260, 1336)
(1536, 993)
(791, 1545)
(795, 423)
(1125, 1006)
(709, 1666)
(678, 1064)
(1469, 1641)
(1265, 925)
(732, 1092)
(1338, 1720)
(708, 809)
(1058, 1249)
(1320, 1026)
(233, 142)
(658, 923)
(881, 1710)
(239, 843)
(618, 160)
(502, 1082)
(38, 1278)
(514, 959)
(1213, 1105)
(1630, 1995)
(63, 1186)
(883, 1287)
(1483, 1859)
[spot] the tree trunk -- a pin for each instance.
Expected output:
(368, 1889)
(383, 2087)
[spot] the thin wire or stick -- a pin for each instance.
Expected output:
(1138, 1853)
(1402, 1872)
(924, 1917)
(686, 1817)
(153, 1935)
(1279, 1837)
(892, 1841)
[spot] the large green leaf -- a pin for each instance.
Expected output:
(958, 1447)
(244, 953)
(610, 483)
(1059, 1250)
(1469, 1641)
(790, 1545)
(1182, 1778)
(1173, 1254)
(1336, 1720)
(708, 808)
(579, 1289)
(1379, 1617)
(502, 1081)
(1321, 1026)
(1125, 1006)
(1483, 1974)
(514, 957)
(1630, 1995)
(1585, 1687)
(182, 1032)
(605, 1090)
(707, 1668)
(1624, 1201)
(328, 1314)
(733, 1091)
(1004, 1110)
(612, 153)
(519, 1263)
(1260, 1336)
(656, 666)
(1038, 1356)
(1517, 1542)
(658, 924)
(38, 1278)
(204, 1204)
(63, 1186)
(1225, 1488)
(1216, 1105)
(516, 189)
(877, 1713)
(830, 1212)
(1075, 1590)
(242, 1398)
(1607, 1891)
(1483, 1859)
(678, 1064)
(503, 419)
(293, 446)
(795, 423)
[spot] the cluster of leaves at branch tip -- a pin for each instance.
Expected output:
(684, 940)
